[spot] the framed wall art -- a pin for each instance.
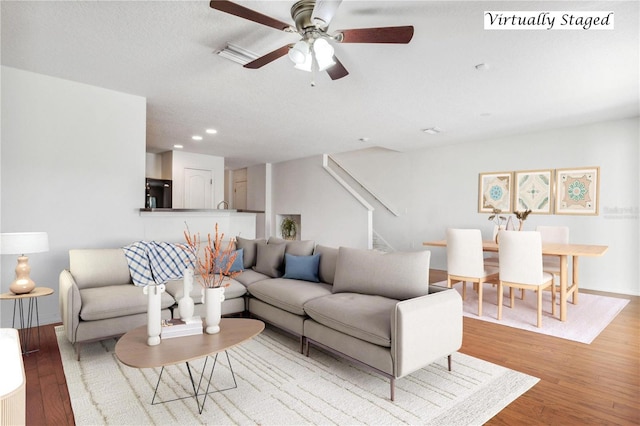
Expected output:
(533, 191)
(578, 191)
(494, 192)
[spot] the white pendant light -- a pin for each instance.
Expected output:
(324, 54)
(307, 64)
(299, 52)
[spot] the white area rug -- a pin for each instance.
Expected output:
(585, 321)
(279, 386)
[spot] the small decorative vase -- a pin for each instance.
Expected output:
(212, 297)
(154, 322)
(497, 233)
(186, 305)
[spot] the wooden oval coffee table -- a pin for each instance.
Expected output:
(132, 350)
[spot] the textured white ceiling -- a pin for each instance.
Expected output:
(165, 51)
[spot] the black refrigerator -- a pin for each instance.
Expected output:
(157, 194)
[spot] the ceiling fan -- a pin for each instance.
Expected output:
(314, 50)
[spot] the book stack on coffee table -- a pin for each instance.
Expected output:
(179, 328)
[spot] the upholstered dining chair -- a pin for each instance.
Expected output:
(520, 259)
(465, 262)
(553, 234)
(491, 259)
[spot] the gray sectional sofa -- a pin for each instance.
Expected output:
(372, 308)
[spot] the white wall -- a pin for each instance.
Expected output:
(153, 166)
(182, 160)
(329, 214)
(72, 165)
(436, 188)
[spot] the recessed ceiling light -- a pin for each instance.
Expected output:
(178, 146)
(482, 67)
(364, 139)
(196, 138)
(485, 114)
(433, 130)
(211, 131)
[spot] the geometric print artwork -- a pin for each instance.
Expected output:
(494, 192)
(533, 191)
(578, 191)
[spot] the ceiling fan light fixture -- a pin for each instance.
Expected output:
(307, 64)
(299, 52)
(324, 54)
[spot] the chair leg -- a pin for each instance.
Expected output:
(449, 361)
(539, 294)
(512, 297)
(464, 290)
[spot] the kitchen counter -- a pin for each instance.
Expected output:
(201, 210)
(169, 224)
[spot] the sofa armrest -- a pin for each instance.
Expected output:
(70, 304)
(424, 329)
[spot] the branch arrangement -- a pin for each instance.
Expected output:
(213, 267)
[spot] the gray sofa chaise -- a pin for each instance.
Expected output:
(374, 309)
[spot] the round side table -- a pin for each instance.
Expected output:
(26, 318)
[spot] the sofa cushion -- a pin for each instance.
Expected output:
(249, 276)
(295, 247)
(117, 301)
(301, 267)
(234, 289)
(249, 250)
(395, 275)
(328, 259)
(362, 316)
(99, 267)
(270, 259)
(236, 266)
(288, 295)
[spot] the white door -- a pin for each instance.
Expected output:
(240, 195)
(198, 188)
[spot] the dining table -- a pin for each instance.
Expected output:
(563, 251)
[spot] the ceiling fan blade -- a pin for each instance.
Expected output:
(269, 57)
(401, 35)
(324, 11)
(243, 12)
(337, 71)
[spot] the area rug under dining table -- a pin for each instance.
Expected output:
(276, 385)
(585, 320)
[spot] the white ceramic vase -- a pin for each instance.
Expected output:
(154, 320)
(212, 299)
(186, 305)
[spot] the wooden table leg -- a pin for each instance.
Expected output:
(563, 287)
(574, 296)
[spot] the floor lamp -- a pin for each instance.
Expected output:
(22, 243)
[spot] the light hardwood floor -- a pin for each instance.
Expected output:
(580, 384)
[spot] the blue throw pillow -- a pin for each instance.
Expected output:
(236, 266)
(301, 267)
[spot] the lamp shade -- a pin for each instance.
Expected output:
(24, 242)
